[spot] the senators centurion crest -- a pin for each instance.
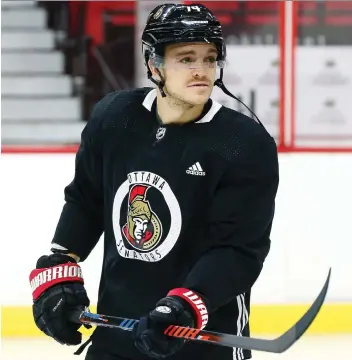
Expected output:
(139, 231)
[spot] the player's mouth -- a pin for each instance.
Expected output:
(199, 85)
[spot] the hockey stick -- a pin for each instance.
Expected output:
(278, 345)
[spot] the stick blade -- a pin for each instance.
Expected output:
(287, 339)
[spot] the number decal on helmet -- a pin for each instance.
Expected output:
(190, 8)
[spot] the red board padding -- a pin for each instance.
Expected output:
(39, 149)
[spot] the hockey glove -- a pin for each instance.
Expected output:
(57, 286)
(180, 307)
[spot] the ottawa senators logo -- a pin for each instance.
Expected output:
(143, 237)
(143, 229)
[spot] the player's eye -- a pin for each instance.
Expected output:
(186, 60)
(211, 59)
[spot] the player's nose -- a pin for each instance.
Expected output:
(199, 73)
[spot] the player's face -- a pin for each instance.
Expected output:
(189, 70)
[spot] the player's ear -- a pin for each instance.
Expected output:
(154, 70)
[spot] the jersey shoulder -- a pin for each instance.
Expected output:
(113, 108)
(237, 135)
(230, 120)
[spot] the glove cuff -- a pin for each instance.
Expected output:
(43, 279)
(196, 303)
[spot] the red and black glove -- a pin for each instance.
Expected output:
(57, 286)
(180, 307)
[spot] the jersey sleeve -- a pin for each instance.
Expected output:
(81, 222)
(241, 217)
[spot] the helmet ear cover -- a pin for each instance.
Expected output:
(155, 54)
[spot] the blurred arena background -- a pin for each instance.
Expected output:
(290, 61)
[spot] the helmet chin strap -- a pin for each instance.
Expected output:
(221, 85)
(160, 84)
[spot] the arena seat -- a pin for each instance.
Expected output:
(217, 6)
(95, 10)
(338, 5)
(261, 5)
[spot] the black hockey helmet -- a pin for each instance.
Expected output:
(177, 23)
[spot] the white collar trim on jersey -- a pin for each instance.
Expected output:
(149, 99)
(209, 116)
(151, 96)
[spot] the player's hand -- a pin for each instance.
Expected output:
(57, 286)
(175, 309)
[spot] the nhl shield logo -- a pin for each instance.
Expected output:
(160, 133)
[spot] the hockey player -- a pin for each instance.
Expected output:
(183, 190)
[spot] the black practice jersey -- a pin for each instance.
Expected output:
(180, 206)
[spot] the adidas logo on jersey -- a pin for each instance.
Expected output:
(195, 169)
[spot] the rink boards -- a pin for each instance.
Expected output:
(311, 233)
(265, 319)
